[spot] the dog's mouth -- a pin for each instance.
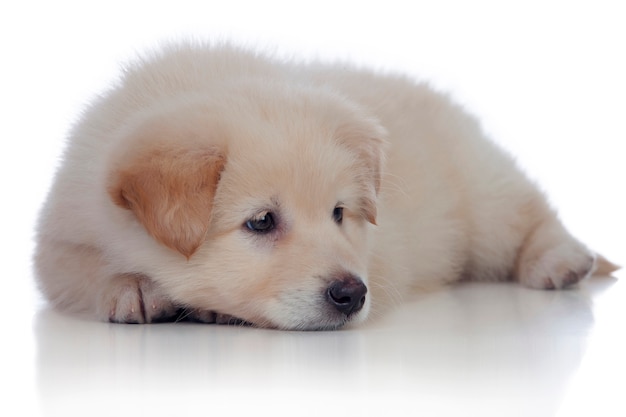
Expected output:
(335, 322)
(343, 301)
(211, 317)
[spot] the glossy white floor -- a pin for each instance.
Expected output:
(548, 84)
(484, 350)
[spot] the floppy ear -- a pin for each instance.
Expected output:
(368, 142)
(170, 191)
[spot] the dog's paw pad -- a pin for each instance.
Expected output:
(548, 284)
(573, 277)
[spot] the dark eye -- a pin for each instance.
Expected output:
(263, 223)
(338, 215)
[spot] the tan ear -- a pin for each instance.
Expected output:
(171, 192)
(368, 142)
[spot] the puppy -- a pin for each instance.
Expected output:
(215, 183)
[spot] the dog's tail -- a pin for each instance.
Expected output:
(604, 267)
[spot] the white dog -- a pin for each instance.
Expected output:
(217, 183)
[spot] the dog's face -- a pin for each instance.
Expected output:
(267, 207)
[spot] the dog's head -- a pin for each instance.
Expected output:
(265, 203)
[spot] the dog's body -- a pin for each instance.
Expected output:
(215, 180)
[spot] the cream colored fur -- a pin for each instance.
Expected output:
(148, 212)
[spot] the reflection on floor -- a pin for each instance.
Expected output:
(473, 349)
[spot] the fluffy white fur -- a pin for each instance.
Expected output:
(148, 214)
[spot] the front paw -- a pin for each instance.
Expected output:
(134, 298)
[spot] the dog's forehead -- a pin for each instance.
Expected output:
(297, 178)
(300, 165)
(305, 163)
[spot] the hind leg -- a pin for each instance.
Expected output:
(551, 258)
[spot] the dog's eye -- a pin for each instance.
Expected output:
(263, 223)
(338, 215)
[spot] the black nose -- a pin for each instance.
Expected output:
(347, 294)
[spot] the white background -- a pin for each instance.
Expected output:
(545, 77)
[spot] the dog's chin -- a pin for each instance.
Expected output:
(317, 326)
(320, 324)
(322, 319)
